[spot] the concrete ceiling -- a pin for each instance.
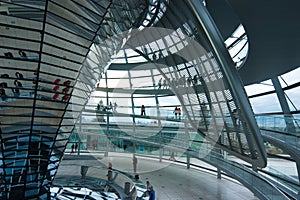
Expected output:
(273, 30)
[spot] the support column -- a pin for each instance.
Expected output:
(156, 100)
(235, 84)
(288, 117)
(107, 121)
(219, 173)
(108, 134)
(158, 118)
(79, 145)
(79, 132)
(160, 154)
(133, 113)
(188, 161)
(187, 144)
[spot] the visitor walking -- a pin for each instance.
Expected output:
(143, 110)
(159, 83)
(115, 107)
(152, 193)
(72, 148)
(75, 147)
(175, 112)
(147, 192)
(134, 163)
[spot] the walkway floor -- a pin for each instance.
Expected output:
(177, 183)
(171, 181)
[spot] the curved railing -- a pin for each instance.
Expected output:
(255, 182)
(288, 125)
(286, 139)
(204, 151)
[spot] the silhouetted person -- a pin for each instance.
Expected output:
(55, 96)
(17, 83)
(172, 157)
(101, 105)
(109, 166)
(175, 112)
(8, 54)
(16, 91)
(189, 81)
(22, 54)
(168, 82)
(19, 75)
(183, 80)
(179, 113)
(67, 83)
(195, 79)
(143, 110)
(160, 55)
(56, 81)
(159, 83)
(152, 193)
(4, 76)
(2, 94)
(65, 98)
(165, 84)
(3, 85)
(235, 116)
(145, 51)
(147, 192)
(72, 148)
(115, 106)
(154, 57)
(109, 171)
(75, 147)
(55, 88)
(65, 90)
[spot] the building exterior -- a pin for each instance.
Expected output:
(107, 75)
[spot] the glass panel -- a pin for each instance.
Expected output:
(263, 104)
(265, 86)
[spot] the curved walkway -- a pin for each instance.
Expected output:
(177, 183)
(171, 181)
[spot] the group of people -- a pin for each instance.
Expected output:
(65, 90)
(175, 82)
(18, 85)
(100, 106)
(150, 192)
(21, 53)
(109, 107)
(15, 89)
(177, 112)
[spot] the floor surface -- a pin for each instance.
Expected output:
(170, 180)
